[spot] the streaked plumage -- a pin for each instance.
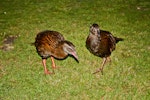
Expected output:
(101, 43)
(52, 44)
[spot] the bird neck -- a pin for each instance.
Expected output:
(96, 37)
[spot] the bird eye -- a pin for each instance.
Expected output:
(69, 49)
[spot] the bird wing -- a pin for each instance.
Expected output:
(112, 42)
(47, 41)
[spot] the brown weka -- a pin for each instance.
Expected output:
(52, 44)
(101, 43)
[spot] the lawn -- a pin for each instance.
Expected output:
(126, 78)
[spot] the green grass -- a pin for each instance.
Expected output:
(127, 78)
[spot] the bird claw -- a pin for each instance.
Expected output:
(47, 72)
(56, 67)
(98, 70)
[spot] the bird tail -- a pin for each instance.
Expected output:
(118, 39)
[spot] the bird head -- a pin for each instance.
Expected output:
(94, 29)
(69, 48)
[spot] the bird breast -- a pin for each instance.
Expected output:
(93, 43)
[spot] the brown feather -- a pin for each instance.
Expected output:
(101, 43)
(52, 44)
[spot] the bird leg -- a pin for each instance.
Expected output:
(45, 69)
(102, 66)
(108, 59)
(53, 64)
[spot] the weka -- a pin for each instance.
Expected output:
(101, 43)
(52, 44)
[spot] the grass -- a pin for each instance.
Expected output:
(21, 71)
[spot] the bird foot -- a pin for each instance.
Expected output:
(56, 67)
(98, 70)
(48, 72)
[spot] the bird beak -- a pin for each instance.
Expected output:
(74, 54)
